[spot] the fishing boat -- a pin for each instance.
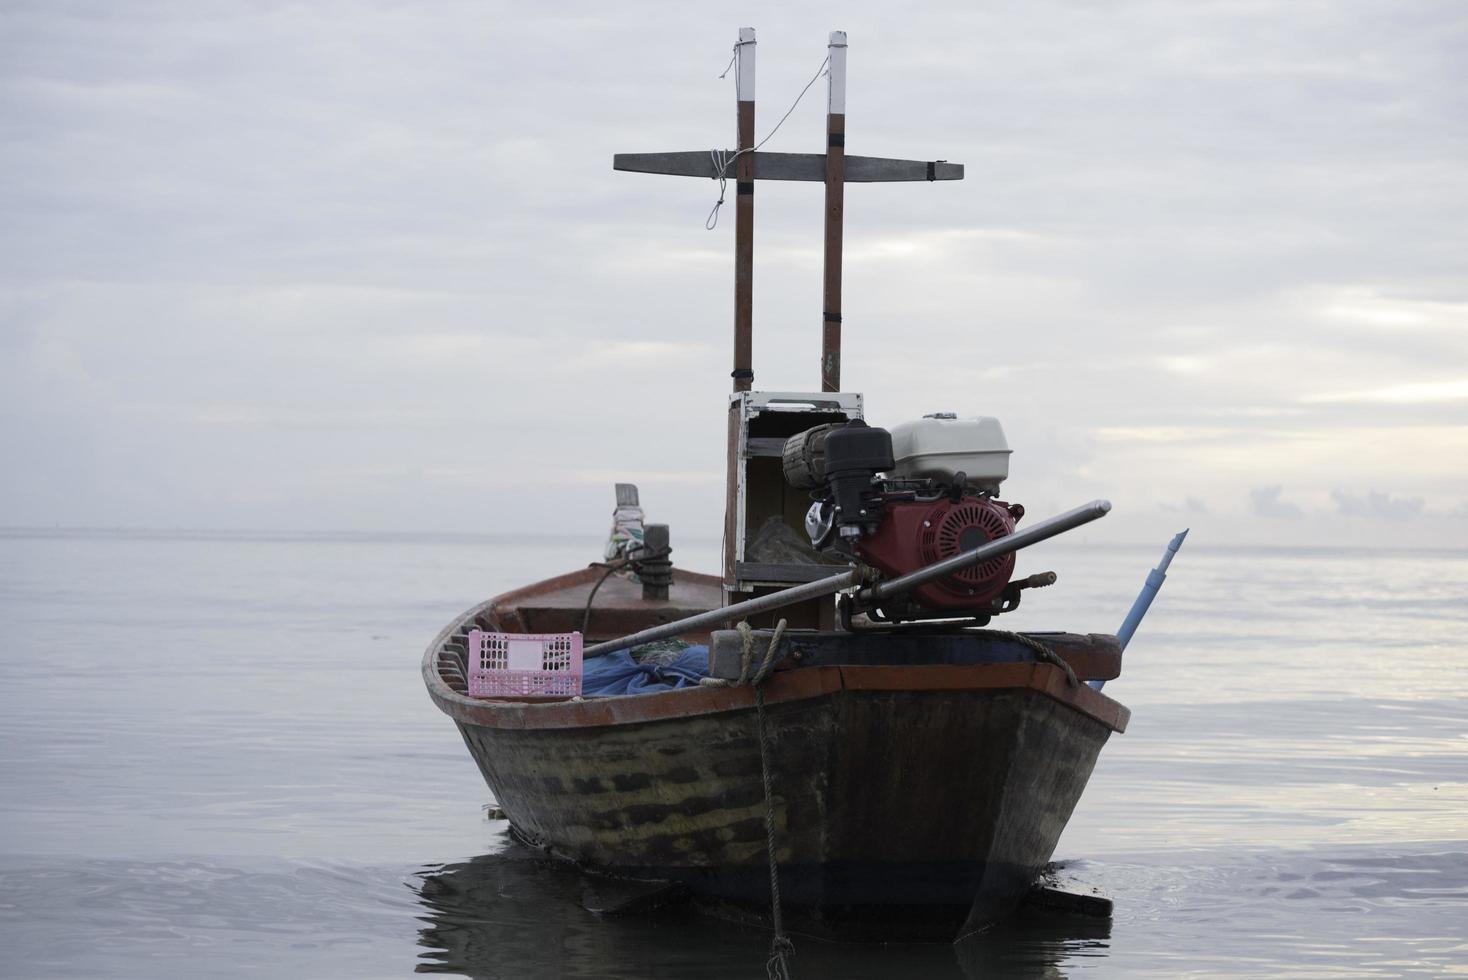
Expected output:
(829, 729)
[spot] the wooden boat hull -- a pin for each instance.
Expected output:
(910, 802)
(890, 806)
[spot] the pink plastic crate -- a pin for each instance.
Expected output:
(524, 664)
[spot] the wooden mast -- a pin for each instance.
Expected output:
(743, 373)
(834, 169)
(835, 207)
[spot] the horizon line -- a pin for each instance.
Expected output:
(357, 534)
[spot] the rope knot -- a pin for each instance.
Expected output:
(777, 966)
(746, 654)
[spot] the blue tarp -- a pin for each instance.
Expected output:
(617, 673)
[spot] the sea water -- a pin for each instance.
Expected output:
(217, 759)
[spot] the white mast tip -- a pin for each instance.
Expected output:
(744, 52)
(836, 76)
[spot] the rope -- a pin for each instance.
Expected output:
(586, 613)
(721, 166)
(733, 58)
(632, 561)
(819, 72)
(723, 160)
(1042, 652)
(746, 654)
(768, 665)
(777, 967)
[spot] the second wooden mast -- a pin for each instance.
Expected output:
(835, 208)
(743, 373)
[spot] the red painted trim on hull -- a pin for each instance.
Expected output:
(793, 685)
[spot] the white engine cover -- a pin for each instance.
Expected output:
(938, 448)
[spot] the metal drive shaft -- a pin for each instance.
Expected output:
(850, 578)
(1035, 533)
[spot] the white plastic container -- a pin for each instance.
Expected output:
(939, 447)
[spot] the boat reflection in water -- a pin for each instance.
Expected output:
(514, 914)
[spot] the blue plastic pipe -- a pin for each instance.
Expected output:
(1155, 578)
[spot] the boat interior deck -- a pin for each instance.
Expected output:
(618, 608)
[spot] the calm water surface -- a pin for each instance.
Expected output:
(217, 759)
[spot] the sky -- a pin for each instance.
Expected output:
(366, 266)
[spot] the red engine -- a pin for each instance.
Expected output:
(901, 513)
(915, 533)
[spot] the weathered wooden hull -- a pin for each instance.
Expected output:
(907, 808)
(909, 802)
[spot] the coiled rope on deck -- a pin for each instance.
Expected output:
(777, 967)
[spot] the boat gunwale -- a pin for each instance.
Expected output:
(787, 685)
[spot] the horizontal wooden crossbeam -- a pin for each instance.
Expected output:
(788, 166)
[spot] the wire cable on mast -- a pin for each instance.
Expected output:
(723, 160)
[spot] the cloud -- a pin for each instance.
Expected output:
(1368, 308)
(1190, 505)
(1376, 505)
(1266, 503)
(255, 256)
(1404, 394)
